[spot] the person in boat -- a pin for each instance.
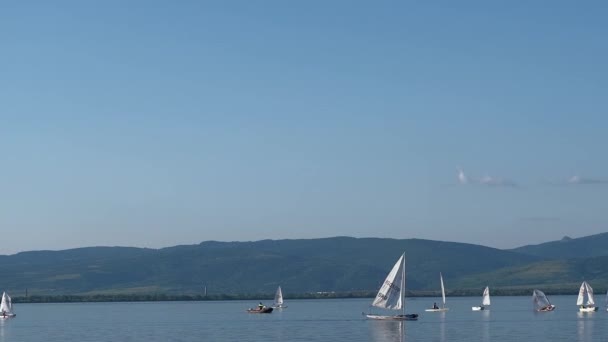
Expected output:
(261, 306)
(435, 307)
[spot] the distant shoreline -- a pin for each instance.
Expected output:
(101, 298)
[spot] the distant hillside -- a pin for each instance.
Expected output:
(567, 248)
(332, 264)
(549, 275)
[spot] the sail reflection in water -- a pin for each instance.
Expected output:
(485, 331)
(584, 327)
(387, 331)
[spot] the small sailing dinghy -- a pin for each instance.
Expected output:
(392, 294)
(442, 308)
(485, 302)
(589, 305)
(278, 299)
(541, 302)
(6, 307)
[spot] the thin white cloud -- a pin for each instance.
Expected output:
(492, 181)
(485, 180)
(583, 180)
(462, 178)
(578, 180)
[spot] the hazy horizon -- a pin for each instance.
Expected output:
(154, 124)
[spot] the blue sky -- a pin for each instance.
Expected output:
(156, 123)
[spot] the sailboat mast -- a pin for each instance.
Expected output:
(403, 285)
(442, 289)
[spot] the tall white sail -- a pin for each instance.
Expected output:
(390, 294)
(278, 297)
(442, 289)
(585, 290)
(486, 296)
(581, 294)
(590, 300)
(6, 305)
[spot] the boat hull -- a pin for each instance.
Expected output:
(409, 317)
(8, 316)
(479, 308)
(589, 309)
(258, 311)
(547, 309)
(280, 306)
(437, 310)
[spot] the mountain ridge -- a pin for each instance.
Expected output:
(340, 264)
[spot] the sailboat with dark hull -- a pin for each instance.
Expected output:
(392, 295)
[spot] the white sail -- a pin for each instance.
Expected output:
(581, 294)
(278, 297)
(590, 300)
(390, 294)
(540, 300)
(585, 290)
(6, 305)
(442, 289)
(486, 296)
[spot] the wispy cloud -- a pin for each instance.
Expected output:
(579, 180)
(462, 178)
(485, 180)
(492, 181)
(583, 180)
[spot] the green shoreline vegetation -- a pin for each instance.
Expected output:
(160, 297)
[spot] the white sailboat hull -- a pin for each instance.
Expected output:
(6, 307)
(589, 309)
(437, 310)
(410, 317)
(485, 301)
(278, 299)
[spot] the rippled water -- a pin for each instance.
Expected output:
(509, 319)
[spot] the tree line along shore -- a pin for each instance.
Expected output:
(153, 297)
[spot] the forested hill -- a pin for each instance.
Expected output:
(329, 264)
(566, 248)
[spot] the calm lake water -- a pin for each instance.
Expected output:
(509, 319)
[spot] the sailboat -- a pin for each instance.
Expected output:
(278, 299)
(6, 307)
(587, 291)
(485, 302)
(392, 294)
(442, 308)
(541, 302)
